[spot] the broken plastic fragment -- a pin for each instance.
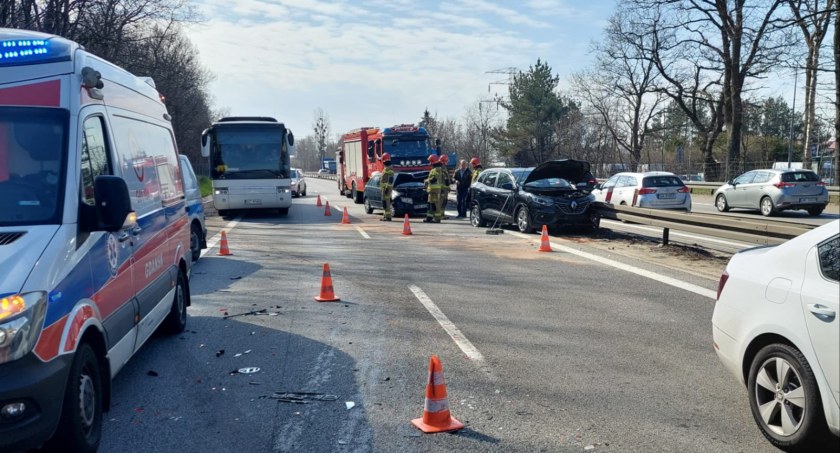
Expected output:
(349, 405)
(249, 370)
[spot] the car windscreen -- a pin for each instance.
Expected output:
(412, 147)
(662, 181)
(549, 183)
(800, 176)
(520, 175)
(403, 178)
(33, 143)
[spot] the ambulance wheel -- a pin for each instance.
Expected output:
(80, 426)
(176, 320)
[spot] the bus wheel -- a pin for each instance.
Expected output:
(283, 211)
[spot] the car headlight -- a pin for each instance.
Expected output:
(284, 189)
(543, 201)
(21, 319)
(396, 194)
(221, 191)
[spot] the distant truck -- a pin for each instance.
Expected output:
(360, 155)
(328, 164)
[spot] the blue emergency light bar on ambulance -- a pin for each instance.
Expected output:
(94, 236)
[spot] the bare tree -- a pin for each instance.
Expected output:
(813, 20)
(480, 120)
(622, 87)
(836, 93)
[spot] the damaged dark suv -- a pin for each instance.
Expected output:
(554, 194)
(408, 197)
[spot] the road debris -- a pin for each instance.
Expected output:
(153, 373)
(249, 370)
(302, 397)
(247, 313)
(349, 404)
(220, 352)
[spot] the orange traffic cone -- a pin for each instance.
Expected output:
(436, 417)
(346, 217)
(545, 245)
(223, 249)
(318, 201)
(327, 208)
(406, 227)
(327, 294)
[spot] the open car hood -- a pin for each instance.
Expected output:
(573, 171)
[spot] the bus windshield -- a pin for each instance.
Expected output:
(32, 161)
(249, 153)
(407, 148)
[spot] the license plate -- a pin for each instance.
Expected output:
(666, 195)
(407, 200)
(421, 206)
(808, 200)
(253, 202)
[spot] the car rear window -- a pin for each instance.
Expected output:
(662, 181)
(800, 176)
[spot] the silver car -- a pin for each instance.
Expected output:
(298, 183)
(771, 191)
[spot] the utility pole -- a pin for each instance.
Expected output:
(792, 116)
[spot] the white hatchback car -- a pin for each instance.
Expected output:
(298, 183)
(776, 328)
(654, 189)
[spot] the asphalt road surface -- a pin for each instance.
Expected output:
(596, 346)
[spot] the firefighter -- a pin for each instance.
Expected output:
(447, 181)
(434, 184)
(476, 165)
(386, 184)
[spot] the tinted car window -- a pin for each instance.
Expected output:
(503, 179)
(746, 178)
(662, 181)
(800, 176)
(374, 181)
(489, 178)
(829, 252)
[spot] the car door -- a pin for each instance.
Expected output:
(374, 192)
(753, 191)
(605, 192)
(505, 193)
(821, 307)
(625, 191)
(487, 196)
(736, 197)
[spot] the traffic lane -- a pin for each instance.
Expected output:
(705, 204)
(634, 367)
(229, 412)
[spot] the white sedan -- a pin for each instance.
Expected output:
(776, 328)
(298, 183)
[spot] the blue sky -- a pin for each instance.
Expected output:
(382, 62)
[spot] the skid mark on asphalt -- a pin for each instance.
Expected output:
(626, 267)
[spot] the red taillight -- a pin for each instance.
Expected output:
(592, 182)
(684, 189)
(782, 185)
(820, 183)
(723, 278)
(646, 191)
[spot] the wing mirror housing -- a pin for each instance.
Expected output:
(113, 204)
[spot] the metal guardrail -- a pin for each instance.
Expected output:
(755, 231)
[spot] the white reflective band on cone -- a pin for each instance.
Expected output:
(433, 406)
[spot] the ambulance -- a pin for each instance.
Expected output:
(94, 236)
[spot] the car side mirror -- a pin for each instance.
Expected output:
(113, 204)
(205, 143)
(597, 186)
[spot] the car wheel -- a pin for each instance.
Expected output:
(815, 211)
(303, 194)
(766, 207)
(475, 217)
(394, 213)
(523, 220)
(195, 241)
(368, 207)
(785, 400)
(80, 426)
(358, 197)
(721, 204)
(176, 320)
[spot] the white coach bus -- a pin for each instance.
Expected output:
(250, 163)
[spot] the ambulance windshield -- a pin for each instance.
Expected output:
(32, 162)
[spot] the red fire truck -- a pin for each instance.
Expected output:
(360, 154)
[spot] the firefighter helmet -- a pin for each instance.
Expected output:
(386, 157)
(444, 159)
(474, 161)
(433, 159)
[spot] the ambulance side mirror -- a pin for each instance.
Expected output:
(113, 204)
